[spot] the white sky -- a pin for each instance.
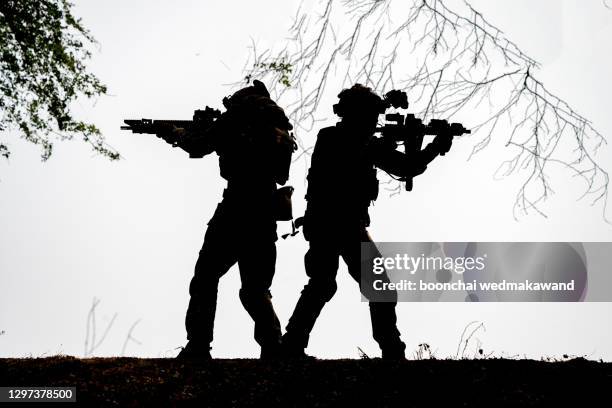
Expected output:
(129, 232)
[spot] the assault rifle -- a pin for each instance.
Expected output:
(202, 120)
(409, 131)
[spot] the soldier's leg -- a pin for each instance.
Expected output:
(257, 261)
(382, 312)
(321, 263)
(215, 259)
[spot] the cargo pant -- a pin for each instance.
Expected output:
(230, 240)
(321, 263)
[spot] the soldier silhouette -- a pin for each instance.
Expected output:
(342, 184)
(254, 146)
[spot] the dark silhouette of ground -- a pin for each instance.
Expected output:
(368, 382)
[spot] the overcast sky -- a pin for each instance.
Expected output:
(128, 232)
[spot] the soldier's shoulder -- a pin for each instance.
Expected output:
(326, 132)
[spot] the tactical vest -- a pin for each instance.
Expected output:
(342, 182)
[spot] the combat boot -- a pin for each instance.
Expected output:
(195, 352)
(394, 353)
(271, 351)
(293, 351)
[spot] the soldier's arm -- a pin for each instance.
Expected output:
(199, 142)
(440, 144)
(396, 163)
(387, 158)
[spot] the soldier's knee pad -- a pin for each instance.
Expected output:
(204, 282)
(250, 294)
(198, 286)
(323, 289)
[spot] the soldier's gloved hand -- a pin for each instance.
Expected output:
(178, 134)
(164, 131)
(171, 134)
(443, 144)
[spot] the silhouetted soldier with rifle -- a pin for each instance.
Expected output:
(342, 184)
(254, 146)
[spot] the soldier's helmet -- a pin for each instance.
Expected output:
(357, 101)
(254, 104)
(239, 97)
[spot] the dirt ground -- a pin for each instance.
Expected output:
(128, 382)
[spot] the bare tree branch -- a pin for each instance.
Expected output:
(452, 62)
(468, 332)
(90, 334)
(129, 337)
